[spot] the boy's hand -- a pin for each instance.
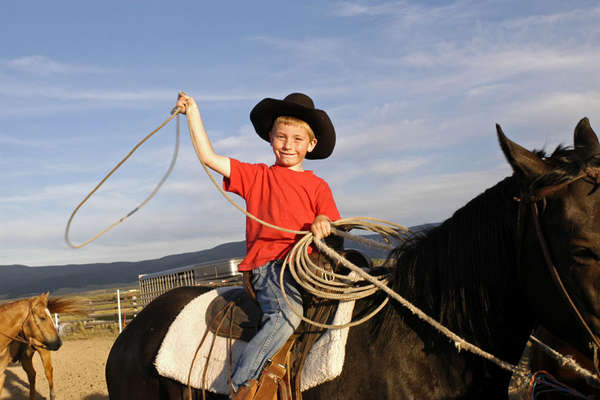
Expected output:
(185, 103)
(321, 227)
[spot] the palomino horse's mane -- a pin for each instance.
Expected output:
(68, 305)
(460, 272)
(57, 304)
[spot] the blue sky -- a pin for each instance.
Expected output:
(414, 89)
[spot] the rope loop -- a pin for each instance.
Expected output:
(174, 112)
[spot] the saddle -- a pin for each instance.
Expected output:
(242, 321)
(237, 315)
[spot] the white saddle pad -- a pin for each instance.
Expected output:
(174, 358)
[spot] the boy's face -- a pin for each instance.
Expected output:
(290, 144)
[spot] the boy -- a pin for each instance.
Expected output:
(283, 194)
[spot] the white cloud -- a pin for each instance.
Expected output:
(25, 142)
(487, 90)
(349, 9)
(41, 65)
(308, 54)
(352, 172)
(573, 16)
(411, 88)
(408, 14)
(421, 199)
(394, 167)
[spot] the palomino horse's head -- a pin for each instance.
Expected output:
(562, 190)
(38, 327)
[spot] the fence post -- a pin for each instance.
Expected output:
(134, 304)
(119, 310)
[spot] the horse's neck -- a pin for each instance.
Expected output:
(402, 354)
(11, 323)
(464, 273)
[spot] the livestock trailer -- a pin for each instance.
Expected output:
(212, 274)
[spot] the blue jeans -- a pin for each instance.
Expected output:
(278, 322)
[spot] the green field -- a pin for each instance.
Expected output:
(101, 316)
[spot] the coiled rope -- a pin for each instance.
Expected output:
(327, 284)
(344, 288)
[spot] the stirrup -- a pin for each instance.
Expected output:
(272, 378)
(246, 391)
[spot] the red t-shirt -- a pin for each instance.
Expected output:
(282, 197)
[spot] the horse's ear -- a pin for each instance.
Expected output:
(585, 140)
(522, 161)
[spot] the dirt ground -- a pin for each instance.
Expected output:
(78, 372)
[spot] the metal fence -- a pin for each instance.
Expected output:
(106, 309)
(212, 273)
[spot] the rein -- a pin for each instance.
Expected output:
(25, 340)
(15, 338)
(228, 309)
(595, 341)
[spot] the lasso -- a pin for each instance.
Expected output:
(143, 203)
(324, 283)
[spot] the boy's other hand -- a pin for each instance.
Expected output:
(321, 227)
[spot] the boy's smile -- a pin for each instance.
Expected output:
(290, 144)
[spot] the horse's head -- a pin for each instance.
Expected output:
(39, 328)
(563, 189)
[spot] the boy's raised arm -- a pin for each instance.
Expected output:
(200, 140)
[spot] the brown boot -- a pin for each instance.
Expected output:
(246, 391)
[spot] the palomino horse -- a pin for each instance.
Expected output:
(482, 273)
(24, 352)
(29, 321)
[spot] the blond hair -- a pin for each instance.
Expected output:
(288, 120)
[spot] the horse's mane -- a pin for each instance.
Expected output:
(454, 271)
(461, 271)
(68, 305)
(566, 163)
(58, 304)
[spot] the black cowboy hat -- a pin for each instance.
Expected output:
(300, 106)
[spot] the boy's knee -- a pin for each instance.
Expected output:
(293, 319)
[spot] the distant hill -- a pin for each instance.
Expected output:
(22, 280)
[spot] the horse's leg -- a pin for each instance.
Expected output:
(27, 364)
(48, 369)
(4, 359)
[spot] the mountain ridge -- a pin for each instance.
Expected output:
(17, 280)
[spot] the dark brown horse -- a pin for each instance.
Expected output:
(481, 273)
